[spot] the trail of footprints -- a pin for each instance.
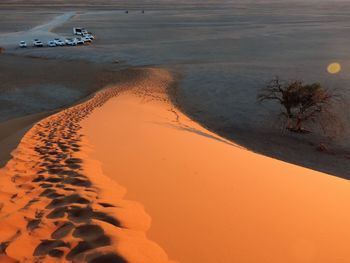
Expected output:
(52, 190)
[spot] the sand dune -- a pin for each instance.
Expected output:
(209, 199)
(198, 197)
(45, 86)
(56, 205)
(12, 131)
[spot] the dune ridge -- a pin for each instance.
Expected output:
(56, 204)
(210, 199)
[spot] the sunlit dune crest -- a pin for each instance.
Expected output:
(209, 199)
(57, 206)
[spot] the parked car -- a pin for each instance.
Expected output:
(60, 43)
(51, 43)
(86, 39)
(89, 36)
(79, 41)
(22, 44)
(70, 42)
(37, 43)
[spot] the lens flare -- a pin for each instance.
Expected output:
(334, 68)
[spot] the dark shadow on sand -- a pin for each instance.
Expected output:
(186, 128)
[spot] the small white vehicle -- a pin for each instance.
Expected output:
(51, 43)
(86, 39)
(22, 44)
(70, 42)
(79, 41)
(37, 43)
(58, 42)
(89, 36)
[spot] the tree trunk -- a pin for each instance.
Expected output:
(289, 118)
(298, 127)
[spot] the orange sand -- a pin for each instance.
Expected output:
(210, 200)
(57, 206)
(205, 199)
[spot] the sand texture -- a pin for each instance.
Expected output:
(209, 199)
(56, 205)
(204, 199)
(44, 87)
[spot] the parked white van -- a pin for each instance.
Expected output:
(79, 31)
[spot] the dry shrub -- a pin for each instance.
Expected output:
(305, 107)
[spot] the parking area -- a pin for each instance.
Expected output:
(80, 36)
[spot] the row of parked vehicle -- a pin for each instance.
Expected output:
(85, 39)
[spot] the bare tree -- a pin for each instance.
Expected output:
(304, 105)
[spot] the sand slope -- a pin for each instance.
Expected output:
(45, 85)
(56, 205)
(210, 200)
